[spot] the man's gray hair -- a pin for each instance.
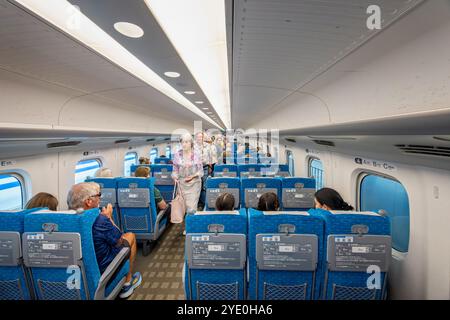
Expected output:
(103, 173)
(79, 193)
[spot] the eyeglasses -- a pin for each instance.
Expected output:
(96, 195)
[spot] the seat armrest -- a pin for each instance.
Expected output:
(110, 271)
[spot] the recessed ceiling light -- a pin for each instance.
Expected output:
(129, 29)
(199, 102)
(205, 108)
(189, 92)
(171, 74)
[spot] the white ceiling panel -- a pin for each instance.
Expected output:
(285, 44)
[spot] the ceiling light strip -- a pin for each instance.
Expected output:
(197, 30)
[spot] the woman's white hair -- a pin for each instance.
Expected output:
(186, 137)
(103, 173)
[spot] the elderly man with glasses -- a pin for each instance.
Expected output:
(108, 239)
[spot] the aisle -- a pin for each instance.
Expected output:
(161, 269)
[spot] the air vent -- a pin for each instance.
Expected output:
(122, 141)
(425, 150)
(291, 140)
(63, 144)
(325, 143)
(151, 139)
(442, 138)
(166, 139)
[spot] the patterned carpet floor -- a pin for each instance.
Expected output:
(161, 269)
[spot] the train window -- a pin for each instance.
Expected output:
(381, 193)
(168, 152)
(153, 154)
(315, 170)
(11, 192)
(130, 159)
(290, 162)
(85, 169)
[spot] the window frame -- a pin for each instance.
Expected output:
(360, 177)
(23, 185)
(290, 152)
(310, 159)
(99, 160)
(125, 159)
(157, 154)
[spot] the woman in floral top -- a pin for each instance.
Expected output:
(188, 170)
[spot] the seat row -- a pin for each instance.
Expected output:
(295, 255)
(134, 207)
(251, 170)
(49, 255)
(294, 193)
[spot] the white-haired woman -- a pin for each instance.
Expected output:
(188, 171)
(103, 173)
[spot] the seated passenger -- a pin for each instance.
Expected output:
(144, 172)
(107, 237)
(43, 200)
(268, 202)
(103, 173)
(225, 202)
(144, 160)
(330, 199)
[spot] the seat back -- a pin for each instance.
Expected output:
(215, 255)
(56, 246)
(297, 193)
(136, 198)
(253, 188)
(14, 276)
(285, 254)
(163, 180)
(108, 188)
(225, 170)
(162, 160)
(217, 186)
(250, 170)
(356, 244)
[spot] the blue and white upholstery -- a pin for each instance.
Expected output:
(108, 188)
(217, 186)
(15, 281)
(136, 198)
(253, 188)
(297, 193)
(212, 236)
(162, 160)
(285, 255)
(225, 170)
(250, 170)
(356, 243)
(163, 180)
(58, 247)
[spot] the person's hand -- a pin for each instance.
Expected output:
(108, 211)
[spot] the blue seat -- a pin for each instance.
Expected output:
(354, 242)
(133, 168)
(297, 193)
(215, 255)
(250, 170)
(136, 198)
(163, 180)
(15, 281)
(253, 188)
(217, 186)
(285, 255)
(225, 170)
(108, 188)
(162, 160)
(58, 248)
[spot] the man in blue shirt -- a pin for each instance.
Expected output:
(108, 239)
